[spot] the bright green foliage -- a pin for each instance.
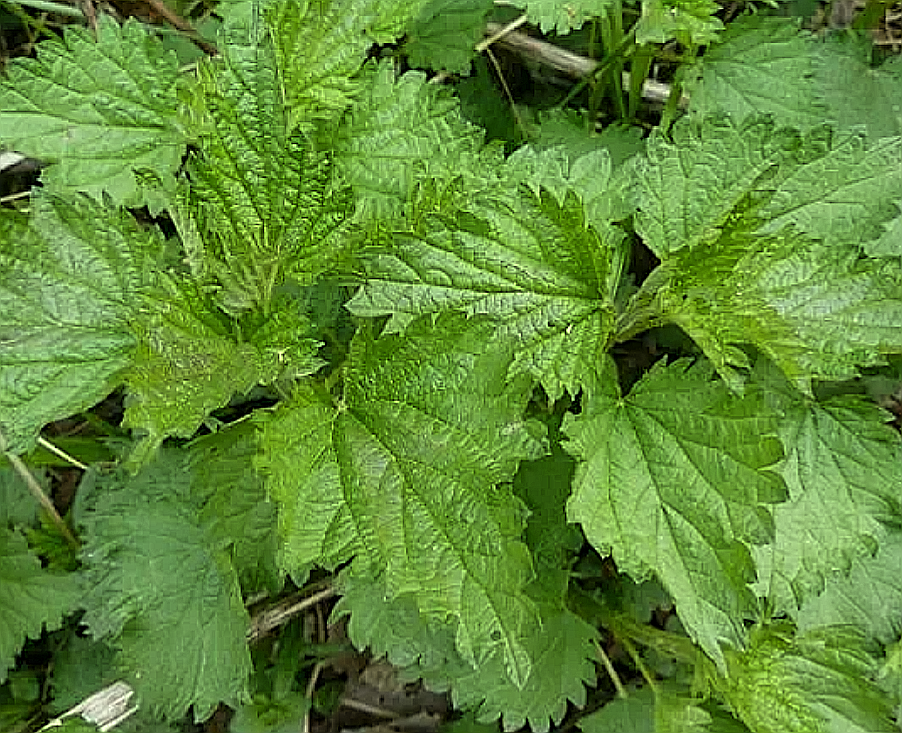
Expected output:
(166, 592)
(762, 65)
(399, 133)
(870, 596)
(268, 716)
(529, 261)
(97, 110)
(843, 468)
(444, 34)
(671, 481)
(69, 280)
(689, 22)
(818, 682)
(635, 714)
(562, 16)
(265, 203)
(30, 598)
(236, 512)
(401, 474)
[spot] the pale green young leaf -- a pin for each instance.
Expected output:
(399, 132)
(402, 475)
(445, 33)
(672, 480)
(526, 260)
(187, 364)
(31, 599)
(69, 282)
(842, 465)
(818, 682)
(562, 16)
(236, 512)
(869, 597)
(689, 22)
(762, 65)
(165, 593)
(261, 195)
(816, 311)
(95, 109)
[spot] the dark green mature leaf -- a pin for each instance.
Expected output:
(31, 599)
(869, 597)
(843, 468)
(671, 481)
(166, 593)
(236, 512)
(263, 197)
(562, 16)
(689, 22)
(17, 505)
(399, 132)
(97, 109)
(526, 260)
(635, 714)
(818, 682)
(762, 65)
(69, 281)
(81, 668)
(445, 33)
(402, 474)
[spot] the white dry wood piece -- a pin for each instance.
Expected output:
(566, 62)
(105, 709)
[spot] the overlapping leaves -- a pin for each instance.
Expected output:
(402, 474)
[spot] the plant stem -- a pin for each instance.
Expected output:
(617, 53)
(612, 673)
(640, 664)
(61, 453)
(51, 7)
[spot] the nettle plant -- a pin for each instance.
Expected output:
(353, 337)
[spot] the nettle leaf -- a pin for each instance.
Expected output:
(31, 598)
(17, 505)
(526, 260)
(263, 197)
(69, 280)
(672, 480)
(689, 22)
(819, 681)
(762, 65)
(445, 33)
(236, 512)
(402, 474)
(166, 593)
(562, 16)
(869, 597)
(97, 110)
(843, 466)
(399, 132)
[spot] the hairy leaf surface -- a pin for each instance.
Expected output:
(528, 261)
(31, 599)
(818, 682)
(562, 16)
(445, 33)
(402, 475)
(97, 110)
(69, 281)
(672, 480)
(165, 593)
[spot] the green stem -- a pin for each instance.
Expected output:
(618, 53)
(52, 7)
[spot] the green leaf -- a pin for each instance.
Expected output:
(528, 261)
(166, 594)
(762, 65)
(187, 365)
(402, 474)
(236, 512)
(635, 714)
(856, 93)
(842, 462)
(81, 668)
(69, 282)
(445, 33)
(262, 196)
(689, 22)
(271, 716)
(671, 481)
(562, 16)
(567, 129)
(31, 599)
(869, 597)
(818, 682)
(17, 505)
(399, 132)
(97, 110)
